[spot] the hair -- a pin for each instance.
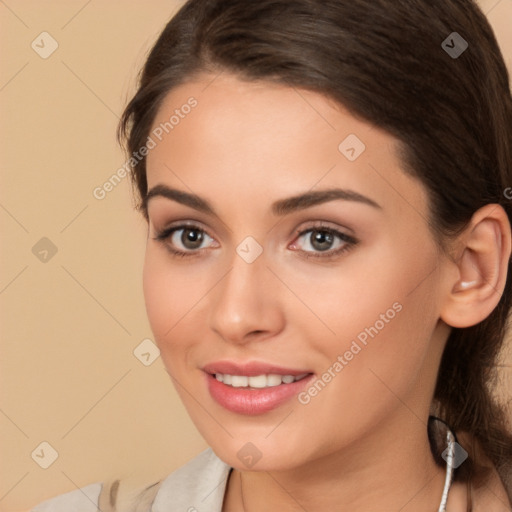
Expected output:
(384, 61)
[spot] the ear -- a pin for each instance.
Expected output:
(483, 252)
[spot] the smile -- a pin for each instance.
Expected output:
(258, 381)
(257, 394)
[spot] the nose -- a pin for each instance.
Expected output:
(245, 304)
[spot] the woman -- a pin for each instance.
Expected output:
(327, 263)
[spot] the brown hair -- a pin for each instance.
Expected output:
(384, 61)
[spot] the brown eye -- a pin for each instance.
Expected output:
(191, 238)
(185, 239)
(321, 240)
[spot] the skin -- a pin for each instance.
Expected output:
(361, 443)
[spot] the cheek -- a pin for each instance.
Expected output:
(170, 293)
(347, 299)
(160, 301)
(394, 350)
(378, 313)
(372, 366)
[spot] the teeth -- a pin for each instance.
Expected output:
(238, 381)
(274, 380)
(259, 381)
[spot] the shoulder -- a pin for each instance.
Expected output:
(108, 496)
(201, 481)
(84, 499)
(200, 484)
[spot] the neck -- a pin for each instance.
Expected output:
(375, 473)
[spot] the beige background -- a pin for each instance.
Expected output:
(70, 325)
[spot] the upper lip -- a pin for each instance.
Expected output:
(250, 369)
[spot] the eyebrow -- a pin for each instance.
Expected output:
(280, 208)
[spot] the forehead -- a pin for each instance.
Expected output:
(241, 137)
(227, 110)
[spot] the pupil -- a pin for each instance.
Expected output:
(322, 240)
(191, 238)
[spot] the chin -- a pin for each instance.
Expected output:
(258, 454)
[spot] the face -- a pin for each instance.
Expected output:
(284, 238)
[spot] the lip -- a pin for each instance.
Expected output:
(250, 401)
(251, 369)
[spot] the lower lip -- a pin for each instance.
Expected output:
(250, 401)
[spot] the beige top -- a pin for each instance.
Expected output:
(198, 486)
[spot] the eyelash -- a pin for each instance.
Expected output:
(350, 241)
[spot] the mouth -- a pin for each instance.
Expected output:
(253, 388)
(258, 381)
